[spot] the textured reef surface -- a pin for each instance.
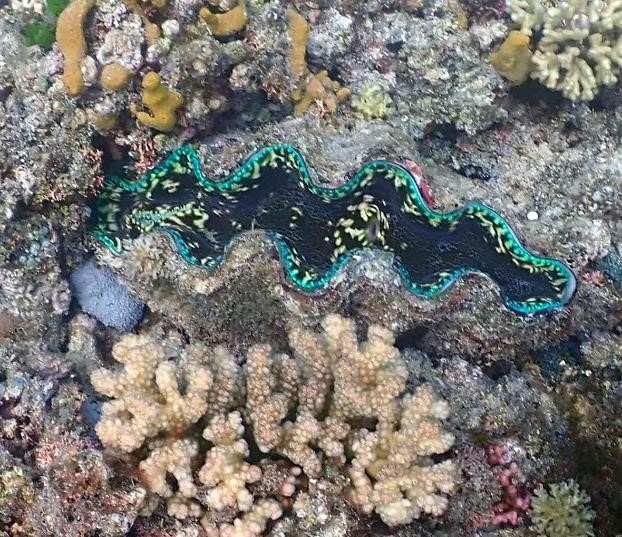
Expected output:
(318, 229)
(309, 393)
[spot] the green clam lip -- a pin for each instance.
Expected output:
(128, 208)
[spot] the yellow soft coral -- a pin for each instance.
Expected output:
(70, 39)
(513, 58)
(225, 24)
(161, 101)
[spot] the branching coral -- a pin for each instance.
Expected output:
(225, 471)
(562, 511)
(147, 398)
(392, 472)
(581, 44)
(335, 398)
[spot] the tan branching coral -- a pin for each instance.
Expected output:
(368, 377)
(392, 472)
(581, 45)
(335, 398)
(225, 471)
(147, 398)
(171, 460)
(251, 524)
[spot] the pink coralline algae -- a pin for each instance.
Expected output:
(422, 183)
(516, 499)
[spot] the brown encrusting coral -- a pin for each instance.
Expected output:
(335, 401)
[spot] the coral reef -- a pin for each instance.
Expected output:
(542, 392)
(563, 510)
(580, 49)
(331, 384)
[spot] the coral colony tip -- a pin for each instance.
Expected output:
(380, 207)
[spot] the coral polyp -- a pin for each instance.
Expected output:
(317, 230)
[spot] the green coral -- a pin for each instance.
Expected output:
(371, 102)
(44, 33)
(40, 33)
(562, 511)
(55, 7)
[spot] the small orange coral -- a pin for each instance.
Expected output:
(115, 77)
(512, 59)
(298, 31)
(320, 90)
(152, 30)
(161, 101)
(225, 24)
(70, 39)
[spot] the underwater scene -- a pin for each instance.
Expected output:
(310, 268)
